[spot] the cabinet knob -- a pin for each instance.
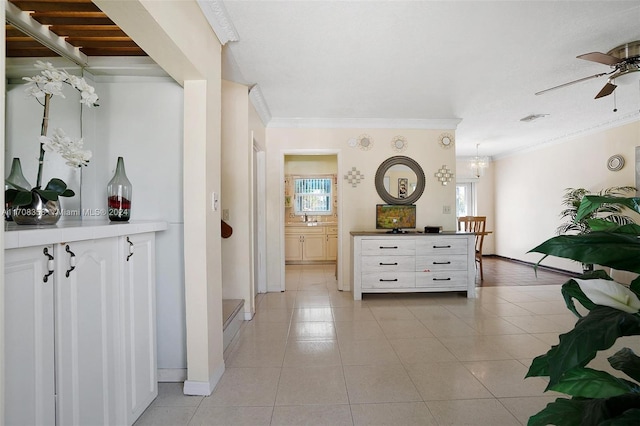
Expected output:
(72, 261)
(49, 265)
(130, 249)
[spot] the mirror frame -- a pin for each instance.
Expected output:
(405, 161)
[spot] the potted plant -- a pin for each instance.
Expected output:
(613, 311)
(40, 205)
(611, 212)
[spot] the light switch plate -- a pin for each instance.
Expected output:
(446, 209)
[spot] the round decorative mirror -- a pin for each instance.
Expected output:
(400, 180)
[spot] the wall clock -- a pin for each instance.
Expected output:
(615, 163)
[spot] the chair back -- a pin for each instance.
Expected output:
(476, 225)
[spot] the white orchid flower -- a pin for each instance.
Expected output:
(70, 149)
(610, 293)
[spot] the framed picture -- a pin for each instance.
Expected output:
(402, 187)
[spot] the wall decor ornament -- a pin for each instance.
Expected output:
(444, 175)
(446, 140)
(354, 177)
(615, 162)
(365, 142)
(40, 205)
(399, 143)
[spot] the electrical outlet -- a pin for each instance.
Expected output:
(225, 214)
(446, 209)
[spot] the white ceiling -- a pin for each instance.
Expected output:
(478, 61)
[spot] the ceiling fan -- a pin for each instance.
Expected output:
(624, 61)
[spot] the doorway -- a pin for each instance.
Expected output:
(311, 219)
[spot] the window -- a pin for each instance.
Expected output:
(465, 199)
(313, 195)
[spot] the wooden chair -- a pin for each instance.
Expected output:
(477, 225)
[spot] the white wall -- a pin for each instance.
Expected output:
(357, 205)
(150, 140)
(529, 187)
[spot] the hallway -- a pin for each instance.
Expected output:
(313, 355)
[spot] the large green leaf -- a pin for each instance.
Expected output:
(591, 203)
(56, 185)
(635, 286)
(624, 405)
(571, 290)
(616, 250)
(47, 194)
(540, 365)
(628, 418)
(22, 198)
(565, 412)
(626, 361)
(590, 383)
(609, 226)
(596, 331)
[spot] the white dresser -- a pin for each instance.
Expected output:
(414, 262)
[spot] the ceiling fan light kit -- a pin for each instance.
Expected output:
(625, 61)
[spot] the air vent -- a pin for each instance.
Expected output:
(532, 117)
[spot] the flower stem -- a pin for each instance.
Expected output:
(43, 132)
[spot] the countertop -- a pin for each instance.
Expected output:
(17, 236)
(305, 224)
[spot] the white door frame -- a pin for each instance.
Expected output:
(259, 210)
(281, 220)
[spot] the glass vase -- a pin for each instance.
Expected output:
(15, 180)
(119, 195)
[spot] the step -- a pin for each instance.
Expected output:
(232, 317)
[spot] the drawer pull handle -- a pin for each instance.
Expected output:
(130, 249)
(395, 279)
(389, 264)
(442, 279)
(442, 263)
(441, 247)
(394, 247)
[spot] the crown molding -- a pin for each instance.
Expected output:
(260, 104)
(629, 118)
(366, 123)
(219, 19)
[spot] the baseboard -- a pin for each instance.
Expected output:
(172, 374)
(542, 267)
(192, 387)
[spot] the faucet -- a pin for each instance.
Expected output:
(304, 219)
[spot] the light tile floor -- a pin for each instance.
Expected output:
(314, 356)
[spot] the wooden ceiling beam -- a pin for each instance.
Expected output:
(53, 6)
(71, 20)
(125, 51)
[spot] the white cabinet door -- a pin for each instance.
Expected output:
(87, 334)
(138, 307)
(314, 247)
(292, 247)
(28, 333)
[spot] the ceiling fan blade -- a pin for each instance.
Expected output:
(606, 90)
(600, 58)
(570, 83)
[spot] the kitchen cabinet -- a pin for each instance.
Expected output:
(385, 263)
(332, 243)
(309, 243)
(98, 366)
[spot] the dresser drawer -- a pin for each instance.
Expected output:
(448, 279)
(388, 279)
(388, 263)
(453, 262)
(388, 247)
(442, 245)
